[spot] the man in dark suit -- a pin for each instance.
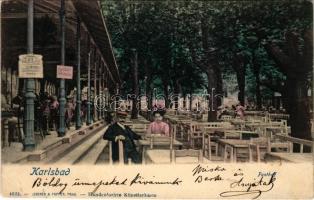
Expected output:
(117, 131)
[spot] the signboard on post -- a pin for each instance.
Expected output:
(31, 66)
(64, 72)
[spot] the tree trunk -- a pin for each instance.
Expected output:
(149, 95)
(166, 93)
(184, 102)
(256, 70)
(239, 67)
(241, 85)
(297, 67)
(190, 105)
(298, 108)
(134, 112)
(258, 91)
(177, 91)
(219, 87)
(148, 89)
(212, 102)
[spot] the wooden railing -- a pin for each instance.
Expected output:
(295, 140)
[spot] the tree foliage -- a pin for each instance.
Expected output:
(191, 45)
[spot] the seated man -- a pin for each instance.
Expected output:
(158, 126)
(116, 131)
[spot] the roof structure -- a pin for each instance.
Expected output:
(14, 13)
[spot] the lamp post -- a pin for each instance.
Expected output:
(95, 116)
(100, 92)
(29, 142)
(62, 100)
(88, 122)
(78, 123)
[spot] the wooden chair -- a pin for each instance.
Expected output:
(121, 153)
(195, 133)
(256, 144)
(208, 145)
(232, 134)
(277, 116)
(110, 152)
(187, 153)
(197, 129)
(272, 144)
(279, 145)
(281, 125)
(215, 124)
(182, 128)
(139, 128)
(204, 117)
(173, 130)
(226, 118)
(155, 139)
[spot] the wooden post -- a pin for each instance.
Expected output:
(210, 148)
(5, 123)
(121, 153)
(143, 154)
(200, 156)
(258, 153)
(172, 156)
(250, 153)
(110, 152)
(231, 154)
(151, 141)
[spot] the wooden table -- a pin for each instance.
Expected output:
(238, 134)
(145, 144)
(162, 156)
(275, 129)
(256, 126)
(290, 157)
(235, 146)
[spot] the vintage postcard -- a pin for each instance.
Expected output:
(157, 99)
